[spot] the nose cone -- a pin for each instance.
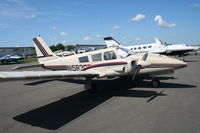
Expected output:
(180, 64)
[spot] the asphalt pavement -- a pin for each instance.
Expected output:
(62, 105)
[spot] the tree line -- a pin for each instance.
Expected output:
(60, 46)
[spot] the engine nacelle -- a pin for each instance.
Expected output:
(131, 67)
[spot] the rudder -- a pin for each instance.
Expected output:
(110, 42)
(43, 51)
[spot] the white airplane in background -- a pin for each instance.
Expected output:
(158, 47)
(178, 49)
(109, 62)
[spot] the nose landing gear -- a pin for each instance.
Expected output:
(155, 83)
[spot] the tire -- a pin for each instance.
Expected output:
(155, 83)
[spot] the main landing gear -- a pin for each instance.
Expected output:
(155, 83)
(90, 86)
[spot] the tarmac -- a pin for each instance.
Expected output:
(62, 105)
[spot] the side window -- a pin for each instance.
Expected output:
(96, 57)
(139, 47)
(149, 46)
(109, 55)
(83, 59)
(135, 48)
(144, 47)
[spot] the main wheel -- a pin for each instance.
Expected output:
(155, 83)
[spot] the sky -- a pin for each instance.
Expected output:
(69, 22)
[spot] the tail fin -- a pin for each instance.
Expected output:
(110, 42)
(43, 52)
(157, 40)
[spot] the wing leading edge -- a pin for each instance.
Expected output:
(14, 75)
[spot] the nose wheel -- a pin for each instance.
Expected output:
(155, 83)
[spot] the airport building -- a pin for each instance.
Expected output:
(30, 51)
(24, 51)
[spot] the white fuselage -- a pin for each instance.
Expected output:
(96, 61)
(160, 48)
(152, 48)
(179, 47)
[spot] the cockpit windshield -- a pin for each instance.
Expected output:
(124, 52)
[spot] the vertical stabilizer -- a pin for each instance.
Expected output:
(157, 40)
(110, 42)
(43, 51)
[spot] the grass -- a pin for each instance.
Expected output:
(28, 60)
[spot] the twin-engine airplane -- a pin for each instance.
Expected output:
(158, 47)
(109, 62)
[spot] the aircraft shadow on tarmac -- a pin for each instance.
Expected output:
(135, 83)
(61, 112)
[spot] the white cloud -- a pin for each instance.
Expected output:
(196, 5)
(53, 27)
(138, 39)
(14, 1)
(98, 36)
(162, 23)
(86, 38)
(116, 27)
(64, 41)
(63, 33)
(138, 17)
(19, 9)
(30, 16)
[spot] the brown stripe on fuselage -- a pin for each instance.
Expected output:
(65, 67)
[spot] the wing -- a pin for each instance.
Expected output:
(16, 75)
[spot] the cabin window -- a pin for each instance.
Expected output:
(96, 57)
(131, 48)
(83, 59)
(139, 47)
(110, 55)
(144, 47)
(135, 48)
(149, 46)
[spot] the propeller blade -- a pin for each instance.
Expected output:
(141, 64)
(136, 72)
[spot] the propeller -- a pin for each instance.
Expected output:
(141, 64)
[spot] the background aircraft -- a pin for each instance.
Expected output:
(110, 62)
(178, 49)
(10, 58)
(158, 47)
